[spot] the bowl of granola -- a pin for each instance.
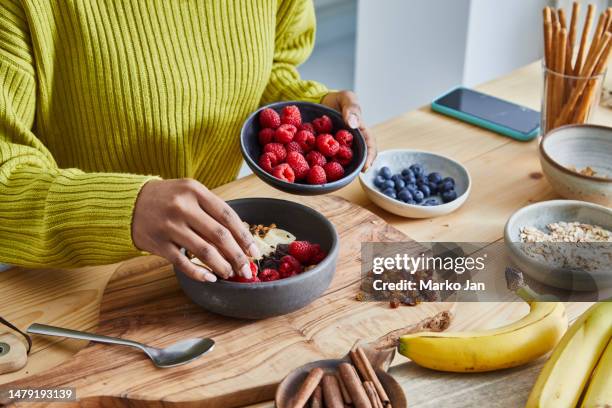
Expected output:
(577, 162)
(299, 249)
(566, 244)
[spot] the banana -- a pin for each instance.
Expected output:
(566, 372)
(518, 343)
(599, 393)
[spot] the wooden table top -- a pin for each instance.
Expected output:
(506, 176)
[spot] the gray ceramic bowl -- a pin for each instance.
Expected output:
(541, 214)
(267, 299)
(251, 150)
(577, 147)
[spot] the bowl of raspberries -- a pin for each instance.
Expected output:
(299, 249)
(416, 184)
(302, 147)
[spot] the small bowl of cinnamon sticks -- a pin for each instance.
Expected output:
(357, 380)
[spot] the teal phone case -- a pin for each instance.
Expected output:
(495, 127)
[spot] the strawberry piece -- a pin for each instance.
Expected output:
(294, 147)
(299, 165)
(269, 118)
(322, 124)
(344, 137)
(284, 134)
(327, 145)
(267, 161)
(265, 135)
(344, 155)
(301, 250)
(315, 158)
(284, 172)
(305, 139)
(278, 149)
(316, 175)
(291, 116)
(333, 171)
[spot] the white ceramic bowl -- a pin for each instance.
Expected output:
(578, 147)
(397, 160)
(541, 214)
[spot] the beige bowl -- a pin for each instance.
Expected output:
(567, 150)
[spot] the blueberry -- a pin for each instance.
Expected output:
(433, 188)
(449, 196)
(417, 169)
(387, 184)
(445, 186)
(434, 177)
(450, 180)
(425, 190)
(407, 173)
(431, 202)
(389, 192)
(400, 184)
(412, 202)
(385, 172)
(410, 178)
(412, 188)
(379, 181)
(397, 177)
(418, 196)
(404, 195)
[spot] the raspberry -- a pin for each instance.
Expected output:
(266, 135)
(307, 126)
(291, 116)
(344, 137)
(333, 171)
(327, 145)
(268, 275)
(316, 175)
(294, 147)
(299, 164)
(267, 161)
(322, 124)
(315, 158)
(284, 134)
(284, 172)
(278, 149)
(306, 140)
(344, 155)
(301, 250)
(268, 118)
(317, 254)
(289, 266)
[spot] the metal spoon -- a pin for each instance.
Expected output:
(176, 354)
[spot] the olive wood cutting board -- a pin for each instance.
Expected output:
(143, 302)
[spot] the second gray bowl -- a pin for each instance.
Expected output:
(267, 299)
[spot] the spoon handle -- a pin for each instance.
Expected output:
(75, 334)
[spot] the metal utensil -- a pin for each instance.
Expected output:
(176, 354)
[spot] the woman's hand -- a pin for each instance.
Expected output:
(174, 214)
(346, 102)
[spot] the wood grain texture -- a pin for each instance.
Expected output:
(143, 302)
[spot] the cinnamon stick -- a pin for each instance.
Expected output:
(308, 387)
(583, 40)
(371, 391)
(369, 374)
(331, 392)
(354, 386)
(317, 398)
(345, 394)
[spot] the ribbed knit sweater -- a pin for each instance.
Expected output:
(99, 96)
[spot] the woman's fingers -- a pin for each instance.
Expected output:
(205, 252)
(226, 216)
(351, 110)
(180, 261)
(218, 235)
(371, 145)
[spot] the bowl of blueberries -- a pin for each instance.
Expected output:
(416, 184)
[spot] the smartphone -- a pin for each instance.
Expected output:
(489, 112)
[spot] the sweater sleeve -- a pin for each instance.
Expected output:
(294, 41)
(51, 216)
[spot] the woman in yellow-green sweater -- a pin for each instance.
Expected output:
(114, 115)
